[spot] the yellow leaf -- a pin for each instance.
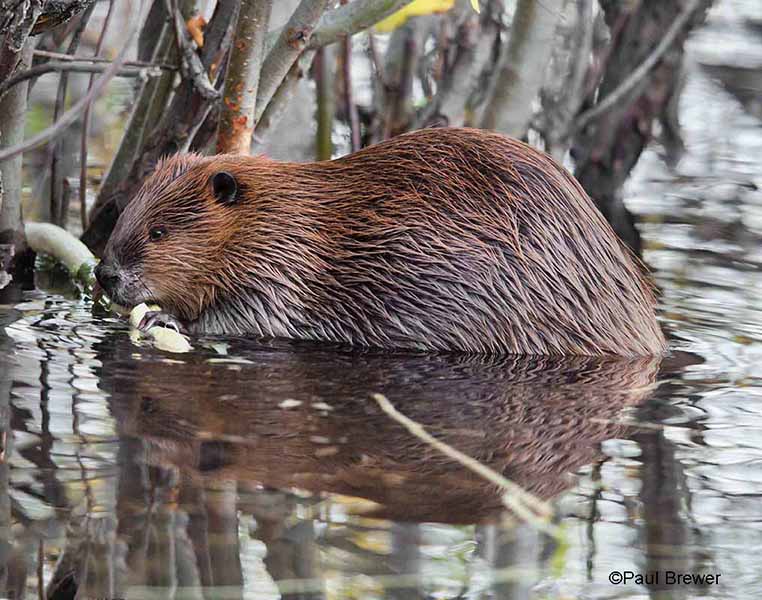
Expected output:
(414, 9)
(475, 4)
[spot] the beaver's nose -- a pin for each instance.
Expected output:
(107, 275)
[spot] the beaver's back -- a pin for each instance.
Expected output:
(458, 239)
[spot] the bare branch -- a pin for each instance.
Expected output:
(564, 89)
(350, 108)
(59, 191)
(277, 106)
(639, 74)
(449, 103)
(86, 127)
(237, 121)
(99, 59)
(291, 42)
(71, 115)
(321, 73)
(350, 18)
(148, 106)
(192, 67)
(61, 67)
(12, 120)
(522, 67)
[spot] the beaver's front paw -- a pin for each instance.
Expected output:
(156, 318)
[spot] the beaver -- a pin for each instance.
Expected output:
(449, 239)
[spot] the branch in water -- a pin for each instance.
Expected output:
(524, 504)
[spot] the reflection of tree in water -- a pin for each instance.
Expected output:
(205, 449)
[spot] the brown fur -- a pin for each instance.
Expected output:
(441, 239)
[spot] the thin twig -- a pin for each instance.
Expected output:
(61, 67)
(376, 60)
(524, 504)
(99, 59)
(70, 116)
(637, 76)
(86, 127)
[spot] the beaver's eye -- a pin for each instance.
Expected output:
(156, 233)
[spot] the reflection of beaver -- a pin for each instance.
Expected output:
(442, 239)
(284, 421)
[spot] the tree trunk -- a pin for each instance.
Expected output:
(237, 121)
(609, 146)
(522, 67)
(12, 122)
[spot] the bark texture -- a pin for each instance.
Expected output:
(610, 145)
(12, 121)
(237, 121)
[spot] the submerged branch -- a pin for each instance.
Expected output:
(525, 505)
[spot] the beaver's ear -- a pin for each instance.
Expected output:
(225, 188)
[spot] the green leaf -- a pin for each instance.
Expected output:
(475, 4)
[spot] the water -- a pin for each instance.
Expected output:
(243, 470)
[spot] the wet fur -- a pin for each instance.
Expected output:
(441, 239)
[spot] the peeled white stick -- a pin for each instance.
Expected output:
(164, 338)
(46, 238)
(50, 239)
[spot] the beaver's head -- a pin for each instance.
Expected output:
(168, 243)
